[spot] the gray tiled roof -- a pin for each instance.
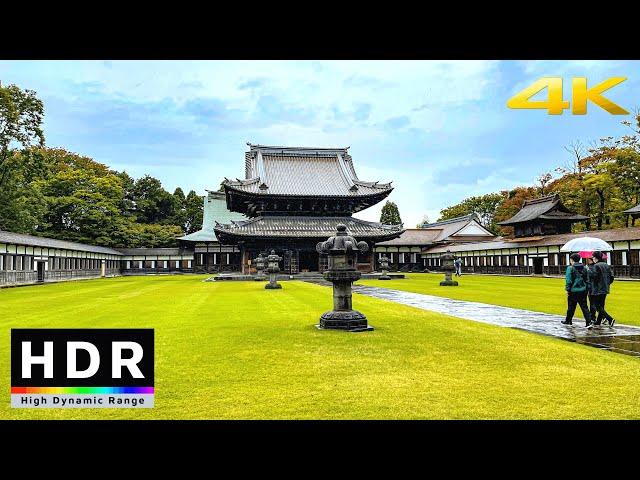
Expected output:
(633, 210)
(550, 208)
(150, 251)
(612, 235)
(290, 226)
(298, 171)
(413, 237)
(33, 241)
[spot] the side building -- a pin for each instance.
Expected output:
(540, 230)
(405, 252)
(26, 259)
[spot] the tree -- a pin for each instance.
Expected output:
(21, 115)
(513, 201)
(153, 204)
(423, 222)
(544, 180)
(390, 214)
(194, 210)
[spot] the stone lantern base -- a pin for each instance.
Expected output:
(351, 321)
(384, 276)
(448, 281)
(272, 286)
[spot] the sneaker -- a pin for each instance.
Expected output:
(612, 321)
(564, 322)
(589, 325)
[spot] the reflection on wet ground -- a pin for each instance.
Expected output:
(620, 339)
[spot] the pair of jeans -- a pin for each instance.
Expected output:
(574, 299)
(598, 302)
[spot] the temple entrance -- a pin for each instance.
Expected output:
(537, 265)
(308, 261)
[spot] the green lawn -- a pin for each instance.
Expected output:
(234, 350)
(531, 293)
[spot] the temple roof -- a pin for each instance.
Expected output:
(545, 208)
(458, 229)
(303, 171)
(633, 211)
(33, 241)
(307, 226)
(215, 210)
(612, 235)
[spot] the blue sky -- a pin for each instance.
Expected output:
(440, 130)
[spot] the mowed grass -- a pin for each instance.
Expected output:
(232, 350)
(530, 293)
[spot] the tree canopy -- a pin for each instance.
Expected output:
(390, 214)
(59, 194)
(599, 182)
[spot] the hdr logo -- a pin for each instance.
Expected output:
(82, 368)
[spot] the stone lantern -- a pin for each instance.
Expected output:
(446, 261)
(342, 250)
(260, 266)
(272, 269)
(384, 266)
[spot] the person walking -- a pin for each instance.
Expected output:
(577, 286)
(601, 279)
(592, 302)
(458, 264)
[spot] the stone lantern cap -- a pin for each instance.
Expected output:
(341, 243)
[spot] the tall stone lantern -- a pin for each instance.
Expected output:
(446, 261)
(342, 250)
(260, 262)
(272, 269)
(384, 266)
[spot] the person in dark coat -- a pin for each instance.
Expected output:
(601, 278)
(592, 302)
(577, 287)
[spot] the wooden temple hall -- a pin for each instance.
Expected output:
(541, 228)
(295, 197)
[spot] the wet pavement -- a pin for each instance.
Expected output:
(623, 339)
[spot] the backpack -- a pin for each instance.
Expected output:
(578, 282)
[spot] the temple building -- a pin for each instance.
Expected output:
(294, 198)
(210, 256)
(404, 252)
(633, 214)
(541, 228)
(543, 216)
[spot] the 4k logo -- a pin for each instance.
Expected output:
(581, 95)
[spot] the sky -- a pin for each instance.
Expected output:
(439, 130)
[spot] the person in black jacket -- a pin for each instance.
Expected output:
(592, 303)
(601, 278)
(577, 286)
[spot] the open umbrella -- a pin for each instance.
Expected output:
(586, 244)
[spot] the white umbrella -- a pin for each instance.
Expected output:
(586, 244)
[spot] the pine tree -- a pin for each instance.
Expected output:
(390, 214)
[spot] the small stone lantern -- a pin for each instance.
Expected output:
(260, 265)
(272, 269)
(342, 250)
(446, 261)
(384, 266)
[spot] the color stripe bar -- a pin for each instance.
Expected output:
(81, 390)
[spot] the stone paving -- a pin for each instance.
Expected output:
(620, 339)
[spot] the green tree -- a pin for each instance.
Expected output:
(21, 115)
(194, 210)
(153, 204)
(390, 214)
